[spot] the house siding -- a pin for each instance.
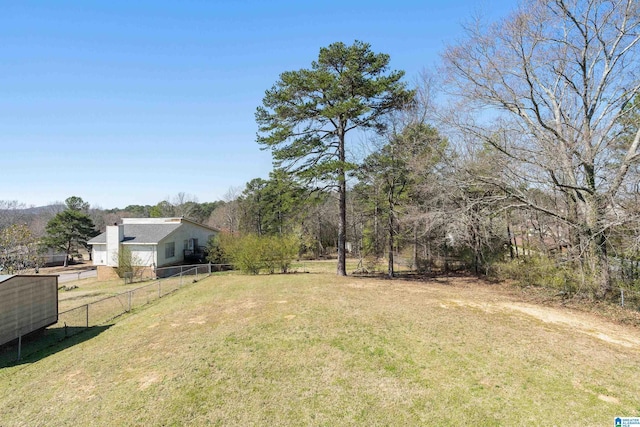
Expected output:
(99, 254)
(186, 232)
(145, 255)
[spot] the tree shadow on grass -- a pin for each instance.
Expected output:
(436, 276)
(41, 344)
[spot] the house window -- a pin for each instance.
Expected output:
(170, 250)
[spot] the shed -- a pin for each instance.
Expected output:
(27, 303)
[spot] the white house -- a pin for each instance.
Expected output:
(153, 242)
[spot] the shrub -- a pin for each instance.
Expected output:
(251, 254)
(129, 265)
(216, 254)
(424, 265)
(541, 271)
(279, 252)
(247, 254)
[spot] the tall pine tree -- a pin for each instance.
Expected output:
(307, 114)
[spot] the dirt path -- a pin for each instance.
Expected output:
(467, 292)
(585, 323)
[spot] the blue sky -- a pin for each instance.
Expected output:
(123, 102)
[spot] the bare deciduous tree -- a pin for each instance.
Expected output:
(184, 204)
(18, 249)
(555, 78)
(11, 212)
(227, 216)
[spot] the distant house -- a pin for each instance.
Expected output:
(52, 257)
(27, 303)
(153, 243)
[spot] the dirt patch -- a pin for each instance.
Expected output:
(582, 322)
(148, 380)
(455, 292)
(198, 320)
(609, 399)
(486, 307)
(73, 268)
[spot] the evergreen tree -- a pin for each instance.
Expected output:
(70, 229)
(307, 114)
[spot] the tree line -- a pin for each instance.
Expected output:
(518, 156)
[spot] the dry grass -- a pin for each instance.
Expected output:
(89, 290)
(315, 349)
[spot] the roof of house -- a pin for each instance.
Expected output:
(146, 230)
(140, 233)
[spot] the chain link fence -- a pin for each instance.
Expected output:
(195, 269)
(625, 274)
(99, 313)
(629, 298)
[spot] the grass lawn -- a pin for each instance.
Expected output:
(316, 349)
(89, 290)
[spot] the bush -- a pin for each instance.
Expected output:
(539, 271)
(251, 254)
(424, 265)
(216, 254)
(129, 265)
(245, 253)
(279, 252)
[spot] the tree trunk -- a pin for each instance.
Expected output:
(390, 271)
(342, 207)
(597, 263)
(511, 243)
(342, 228)
(66, 255)
(319, 248)
(601, 261)
(476, 250)
(414, 261)
(376, 240)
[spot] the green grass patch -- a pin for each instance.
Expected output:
(316, 349)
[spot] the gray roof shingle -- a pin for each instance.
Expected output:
(140, 233)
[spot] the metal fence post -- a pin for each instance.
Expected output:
(622, 297)
(19, 347)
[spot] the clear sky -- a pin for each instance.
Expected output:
(131, 102)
